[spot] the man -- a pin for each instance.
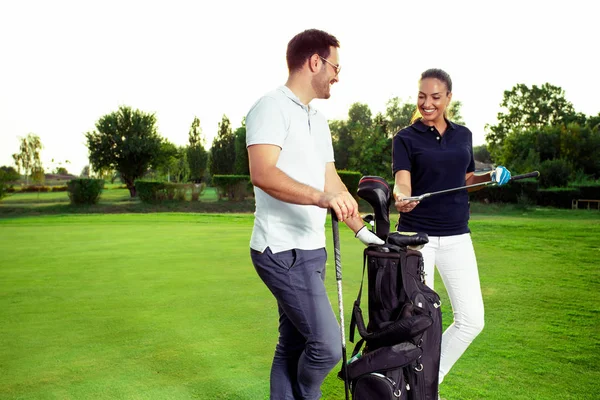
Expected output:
(295, 181)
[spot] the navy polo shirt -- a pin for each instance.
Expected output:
(435, 162)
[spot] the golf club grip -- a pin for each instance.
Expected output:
(533, 174)
(336, 246)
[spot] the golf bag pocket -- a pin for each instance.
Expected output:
(378, 386)
(401, 330)
(383, 359)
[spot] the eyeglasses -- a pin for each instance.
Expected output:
(337, 68)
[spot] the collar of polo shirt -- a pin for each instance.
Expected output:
(421, 127)
(288, 92)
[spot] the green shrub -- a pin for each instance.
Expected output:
(233, 187)
(509, 193)
(555, 173)
(85, 191)
(350, 179)
(3, 189)
(169, 189)
(36, 189)
(180, 191)
(590, 192)
(60, 188)
(557, 197)
(150, 191)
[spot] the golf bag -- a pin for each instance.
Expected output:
(401, 343)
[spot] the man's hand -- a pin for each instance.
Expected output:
(342, 203)
(368, 237)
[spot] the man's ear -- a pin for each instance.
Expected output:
(313, 63)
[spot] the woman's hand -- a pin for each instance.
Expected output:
(405, 205)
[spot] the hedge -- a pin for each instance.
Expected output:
(350, 179)
(85, 191)
(150, 191)
(233, 187)
(510, 193)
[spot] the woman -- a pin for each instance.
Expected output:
(434, 154)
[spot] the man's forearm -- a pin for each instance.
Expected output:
(279, 185)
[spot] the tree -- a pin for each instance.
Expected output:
(242, 166)
(28, 159)
(126, 141)
(371, 151)
(60, 171)
(222, 152)
(181, 168)
(38, 175)
(372, 154)
(398, 114)
(481, 154)
(9, 174)
(342, 143)
(453, 112)
(85, 172)
(166, 159)
(527, 108)
(197, 156)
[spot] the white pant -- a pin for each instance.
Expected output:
(455, 260)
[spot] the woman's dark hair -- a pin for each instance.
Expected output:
(438, 74)
(305, 44)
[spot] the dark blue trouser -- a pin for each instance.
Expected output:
(309, 344)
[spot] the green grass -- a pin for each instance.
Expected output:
(168, 306)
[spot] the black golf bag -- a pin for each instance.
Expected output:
(401, 343)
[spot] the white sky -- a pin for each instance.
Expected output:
(64, 64)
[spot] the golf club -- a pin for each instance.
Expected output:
(533, 174)
(338, 278)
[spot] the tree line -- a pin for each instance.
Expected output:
(537, 129)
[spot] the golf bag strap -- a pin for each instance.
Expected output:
(357, 301)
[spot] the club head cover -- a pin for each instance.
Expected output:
(376, 191)
(412, 240)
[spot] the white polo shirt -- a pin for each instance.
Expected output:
(303, 134)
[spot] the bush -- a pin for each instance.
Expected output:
(85, 191)
(36, 189)
(60, 188)
(510, 193)
(150, 191)
(234, 187)
(350, 179)
(590, 192)
(557, 197)
(555, 173)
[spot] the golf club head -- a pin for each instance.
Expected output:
(376, 191)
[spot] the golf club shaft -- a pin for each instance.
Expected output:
(533, 174)
(338, 278)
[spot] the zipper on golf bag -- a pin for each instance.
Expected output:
(379, 386)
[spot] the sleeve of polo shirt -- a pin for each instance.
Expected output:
(265, 123)
(401, 155)
(471, 166)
